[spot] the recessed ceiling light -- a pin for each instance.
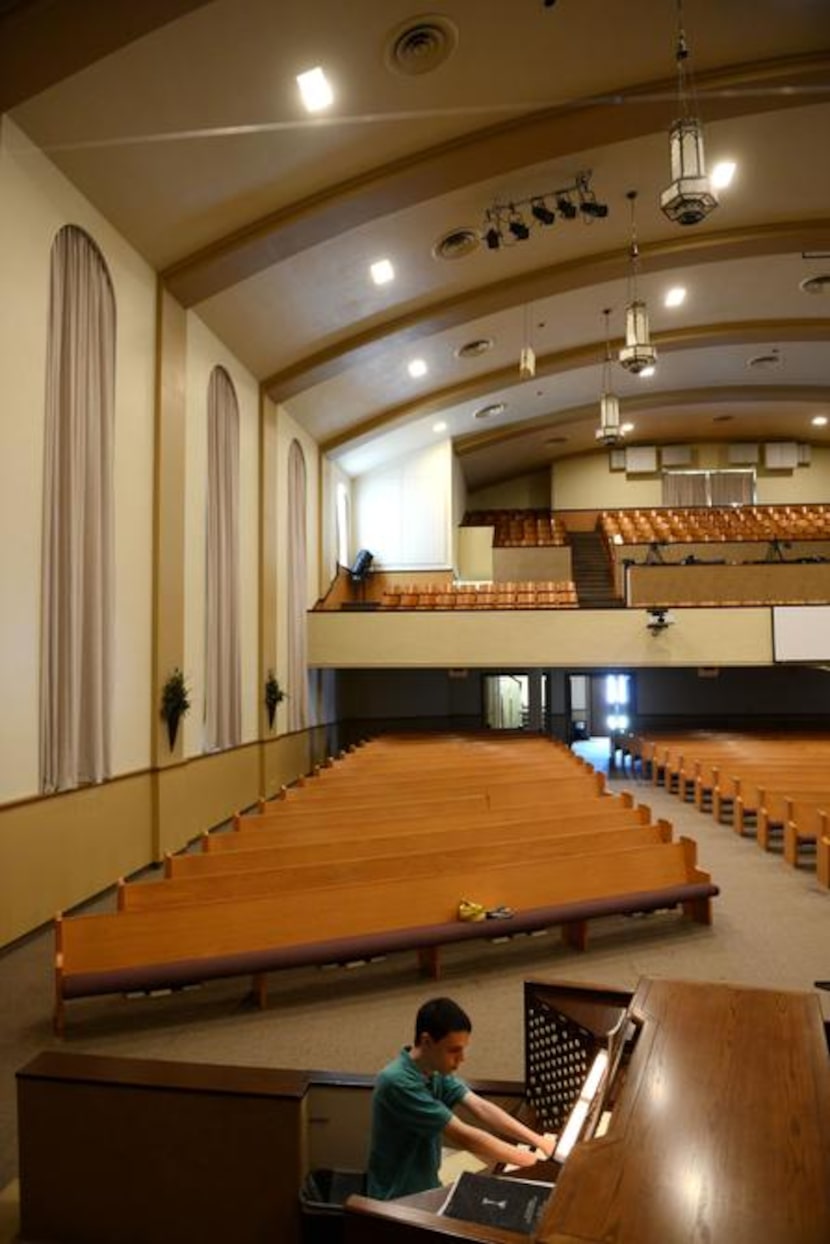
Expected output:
(722, 174)
(315, 89)
(647, 372)
(819, 421)
(627, 427)
(382, 272)
(675, 296)
(440, 426)
(489, 412)
(417, 368)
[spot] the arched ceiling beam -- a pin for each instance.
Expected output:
(717, 395)
(543, 135)
(587, 355)
(364, 347)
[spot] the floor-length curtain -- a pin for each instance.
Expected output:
(297, 591)
(223, 705)
(77, 570)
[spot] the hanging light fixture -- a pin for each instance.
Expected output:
(527, 355)
(609, 431)
(638, 352)
(690, 198)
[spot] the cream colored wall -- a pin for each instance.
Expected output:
(526, 492)
(35, 202)
(804, 484)
(403, 510)
(589, 483)
(204, 352)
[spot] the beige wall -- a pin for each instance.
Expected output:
(35, 202)
(526, 492)
(588, 482)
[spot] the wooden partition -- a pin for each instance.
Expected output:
(115, 1151)
(750, 584)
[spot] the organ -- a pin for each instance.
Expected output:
(685, 1111)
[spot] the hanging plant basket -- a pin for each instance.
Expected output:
(274, 695)
(175, 702)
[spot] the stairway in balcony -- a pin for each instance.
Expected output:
(592, 572)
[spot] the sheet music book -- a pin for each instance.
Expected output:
(513, 1204)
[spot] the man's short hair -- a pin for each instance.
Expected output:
(439, 1017)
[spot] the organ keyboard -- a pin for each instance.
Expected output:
(685, 1111)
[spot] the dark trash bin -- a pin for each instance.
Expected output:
(322, 1197)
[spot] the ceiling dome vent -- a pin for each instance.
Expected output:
(815, 284)
(764, 362)
(421, 44)
(489, 412)
(474, 349)
(456, 244)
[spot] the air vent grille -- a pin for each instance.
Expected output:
(816, 284)
(422, 45)
(456, 244)
(474, 349)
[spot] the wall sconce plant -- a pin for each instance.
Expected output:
(175, 702)
(274, 695)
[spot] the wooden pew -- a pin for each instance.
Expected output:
(773, 812)
(254, 852)
(823, 859)
(806, 822)
(128, 951)
(382, 821)
(293, 876)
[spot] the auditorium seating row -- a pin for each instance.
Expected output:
(520, 528)
(772, 787)
(721, 523)
(373, 853)
(541, 595)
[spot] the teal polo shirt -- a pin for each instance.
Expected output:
(409, 1113)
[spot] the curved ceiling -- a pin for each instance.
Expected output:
(188, 135)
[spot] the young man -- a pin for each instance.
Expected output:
(412, 1110)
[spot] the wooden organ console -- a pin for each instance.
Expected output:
(685, 1112)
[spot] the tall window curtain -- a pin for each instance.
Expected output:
(223, 705)
(77, 567)
(685, 488)
(733, 487)
(297, 591)
(688, 488)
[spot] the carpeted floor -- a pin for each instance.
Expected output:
(771, 927)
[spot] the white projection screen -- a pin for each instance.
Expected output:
(801, 633)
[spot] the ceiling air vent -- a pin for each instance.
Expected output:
(421, 44)
(764, 362)
(474, 349)
(815, 284)
(488, 412)
(456, 244)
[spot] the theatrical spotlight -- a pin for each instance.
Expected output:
(541, 212)
(518, 228)
(506, 223)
